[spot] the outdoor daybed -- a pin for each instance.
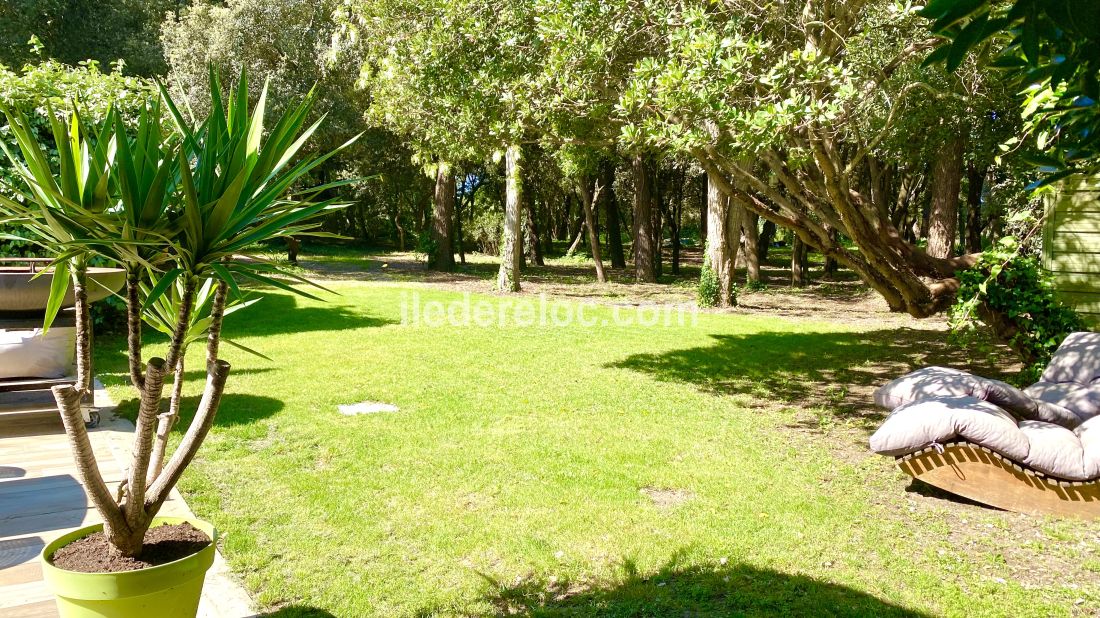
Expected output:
(1035, 450)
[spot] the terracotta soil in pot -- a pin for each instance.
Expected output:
(163, 544)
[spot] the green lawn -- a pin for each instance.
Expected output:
(709, 469)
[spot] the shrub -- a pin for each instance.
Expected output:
(486, 231)
(708, 287)
(1005, 287)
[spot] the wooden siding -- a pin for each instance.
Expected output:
(1071, 244)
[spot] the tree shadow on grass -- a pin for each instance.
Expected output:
(699, 591)
(279, 313)
(275, 314)
(235, 409)
(835, 370)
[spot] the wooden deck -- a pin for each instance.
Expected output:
(41, 498)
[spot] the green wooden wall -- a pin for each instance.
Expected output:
(1071, 244)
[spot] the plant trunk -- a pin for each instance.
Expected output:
(443, 203)
(752, 247)
(943, 215)
(798, 262)
(831, 265)
(531, 230)
(975, 187)
(657, 211)
(586, 198)
(704, 206)
(165, 423)
(644, 270)
(133, 328)
(719, 258)
(511, 251)
(611, 214)
(676, 208)
(767, 237)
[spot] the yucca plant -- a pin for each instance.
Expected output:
(57, 208)
(180, 206)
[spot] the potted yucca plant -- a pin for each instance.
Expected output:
(173, 202)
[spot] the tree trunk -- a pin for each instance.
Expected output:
(943, 215)
(576, 243)
(461, 205)
(293, 246)
(719, 258)
(798, 262)
(704, 205)
(767, 237)
(752, 247)
(831, 265)
(511, 251)
(531, 231)
(975, 187)
(675, 221)
(611, 214)
(657, 211)
(443, 202)
(643, 222)
(586, 199)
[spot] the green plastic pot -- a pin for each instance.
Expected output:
(169, 590)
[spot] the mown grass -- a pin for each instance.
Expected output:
(592, 471)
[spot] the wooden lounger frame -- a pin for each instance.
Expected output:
(977, 473)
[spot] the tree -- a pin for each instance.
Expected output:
(761, 93)
(1050, 49)
(289, 41)
(174, 209)
(451, 78)
(511, 253)
(73, 31)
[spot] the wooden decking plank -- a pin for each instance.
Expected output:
(44, 609)
(23, 594)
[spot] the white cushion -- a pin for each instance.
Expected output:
(32, 354)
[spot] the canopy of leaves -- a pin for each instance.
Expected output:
(73, 31)
(1051, 50)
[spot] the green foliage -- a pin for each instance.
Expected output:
(175, 205)
(162, 312)
(288, 42)
(51, 84)
(72, 31)
(427, 247)
(1051, 50)
(486, 231)
(708, 287)
(1005, 284)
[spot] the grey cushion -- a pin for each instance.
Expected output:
(1077, 360)
(1023, 406)
(1051, 449)
(1083, 401)
(1089, 434)
(924, 384)
(945, 382)
(1056, 451)
(916, 425)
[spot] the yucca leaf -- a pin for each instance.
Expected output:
(166, 280)
(246, 349)
(59, 285)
